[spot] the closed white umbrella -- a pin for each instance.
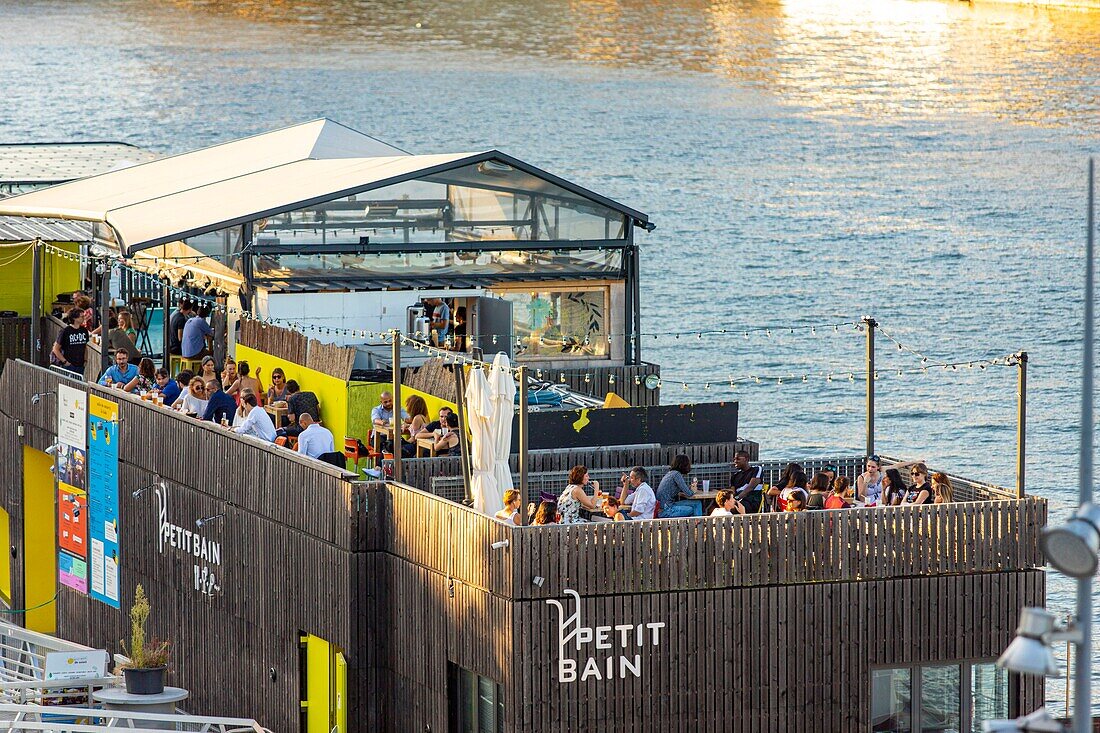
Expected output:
(502, 389)
(479, 415)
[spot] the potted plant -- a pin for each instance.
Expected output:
(148, 660)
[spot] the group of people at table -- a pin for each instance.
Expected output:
(676, 496)
(441, 435)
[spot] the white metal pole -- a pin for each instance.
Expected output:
(1082, 694)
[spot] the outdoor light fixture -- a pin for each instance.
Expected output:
(499, 545)
(98, 250)
(156, 484)
(200, 523)
(52, 450)
(37, 397)
(1039, 721)
(1072, 548)
(1030, 652)
(652, 381)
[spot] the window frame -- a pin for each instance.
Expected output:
(966, 693)
(600, 286)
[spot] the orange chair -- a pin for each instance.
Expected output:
(352, 452)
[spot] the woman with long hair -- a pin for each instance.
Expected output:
(921, 490)
(819, 490)
(796, 487)
(575, 496)
(245, 381)
(942, 489)
(277, 391)
(413, 423)
(547, 513)
(146, 377)
(674, 494)
(840, 497)
(893, 487)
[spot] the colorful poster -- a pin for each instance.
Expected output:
(103, 499)
(72, 571)
(72, 417)
(72, 520)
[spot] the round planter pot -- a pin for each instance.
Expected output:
(148, 681)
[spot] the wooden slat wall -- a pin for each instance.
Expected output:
(279, 342)
(626, 381)
(781, 548)
(419, 472)
(779, 658)
(15, 339)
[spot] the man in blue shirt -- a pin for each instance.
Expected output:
(440, 319)
(198, 337)
(167, 386)
(122, 371)
(219, 406)
(382, 416)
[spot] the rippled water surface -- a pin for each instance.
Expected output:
(805, 162)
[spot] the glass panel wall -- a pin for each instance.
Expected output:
(475, 703)
(891, 700)
(989, 692)
(940, 699)
(557, 322)
(223, 244)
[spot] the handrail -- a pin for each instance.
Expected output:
(23, 652)
(117, 719)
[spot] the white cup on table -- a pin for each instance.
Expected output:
(706, 484)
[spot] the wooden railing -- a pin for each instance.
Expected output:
(706, 553)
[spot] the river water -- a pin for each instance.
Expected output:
(805, 162)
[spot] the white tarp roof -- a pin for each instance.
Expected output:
(183, 195)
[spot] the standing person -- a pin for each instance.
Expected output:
(219, 406)
(637, 496)
(121, 372)
(893, 487)
(727, 505)
(315, 440)
(68, 350)
(459, 343)
(747, 481)
(819, 489)
(184, 311)
(575, 497)
(198, 336)
(512, 504)
(674, 494)
(440, 314)
(257, 422)
(277, 392)
(921, 490)
(839, 498)
(942, 489)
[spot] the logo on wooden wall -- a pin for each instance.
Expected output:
(205, 554)
(600, 652)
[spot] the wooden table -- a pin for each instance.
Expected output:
(279, 415)
(706, 498)
(427, 444)
(381, 431)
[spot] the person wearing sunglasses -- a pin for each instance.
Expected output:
(277, 391)
(869, 483)
(921, 491)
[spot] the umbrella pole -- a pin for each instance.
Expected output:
(464, 444)
(522, 376)
(398, 475)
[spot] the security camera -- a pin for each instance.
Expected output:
(52, 450)
(537, 581)
(499, 545)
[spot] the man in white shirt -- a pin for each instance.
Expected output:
(643, 501)
(314, 440)
(257, 422)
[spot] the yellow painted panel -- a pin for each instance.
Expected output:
(58, 276)
(317, 685)
(330, 391)
(341, 693)
(364, 396)
(39, 540)
(5, 557)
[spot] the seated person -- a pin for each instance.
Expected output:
(219, 405)
(447, 442)
(299, 403)
(145, 379)
(637, 497)
(192, 400)
(198, 336)
(315, 440)
(277, 392)
(257, 422)
(429, 430)
(121, 372)
(512, 503)
(613, 509)
(727, 504)
(117, 339)
(244, 381)
(169, 388)
(382, 416)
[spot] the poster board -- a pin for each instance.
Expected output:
(103, 500)
(71, 470)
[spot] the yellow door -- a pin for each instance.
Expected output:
(39, 541)
(5, 558)
(324, 708)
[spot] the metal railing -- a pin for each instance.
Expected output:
(94, 720)
(23, 652)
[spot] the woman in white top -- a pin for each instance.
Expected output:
(510, 512)
(192, 399)
(574, 498)
(869, 483)
(728, 505)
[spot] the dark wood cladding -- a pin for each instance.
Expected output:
(15, 339)
(780, 658)
(335, 361)
(626, 381)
